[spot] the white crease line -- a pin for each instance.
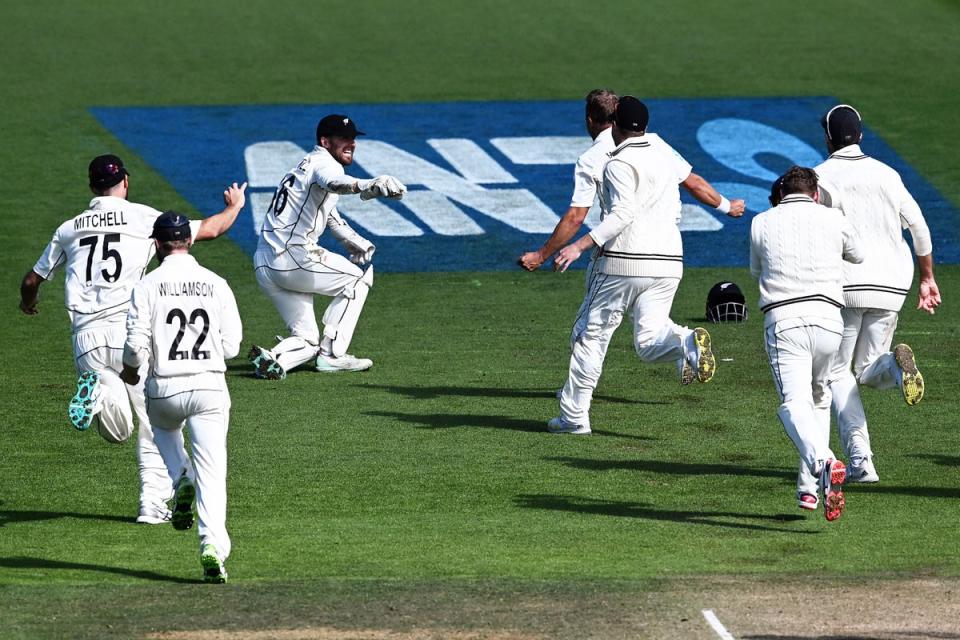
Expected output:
(715, 623)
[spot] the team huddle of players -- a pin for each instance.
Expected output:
(831, 286)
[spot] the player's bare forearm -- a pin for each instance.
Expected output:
(566, 228)
(30, 292)
(216, 225)
(704, 192)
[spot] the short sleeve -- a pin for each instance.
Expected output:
(53, 256)
(584, 186)
(680, 167)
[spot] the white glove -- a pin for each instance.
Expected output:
(381, 187)
(361, 250)
(362, 257)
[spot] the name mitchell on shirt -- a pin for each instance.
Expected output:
(104, 219)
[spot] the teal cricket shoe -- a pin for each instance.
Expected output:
(85, 403)
(183, 496)
(213, 569)
(265, 366)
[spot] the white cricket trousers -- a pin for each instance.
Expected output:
(655, 337)
(206, 414)
(865, 347)
(293, 279)
(101, 350)
(801, 352)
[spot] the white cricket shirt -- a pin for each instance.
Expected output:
(797, 250)
(186, 317)
(639, 235)
(303, 205)
(105, 251)
(878, 206)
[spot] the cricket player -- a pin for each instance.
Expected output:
(183, 322)
(638, 267)
(587, 177)
(878, 206)
(105, 251)
(797, 250)
(291, 268)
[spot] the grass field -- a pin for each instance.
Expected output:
(423, 498)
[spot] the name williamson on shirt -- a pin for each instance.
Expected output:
(201, 289)
(105, 219)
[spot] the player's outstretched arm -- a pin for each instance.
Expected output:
(566, 228)
(216, 225)
(30, 292)
(379, 187)
(705, 193)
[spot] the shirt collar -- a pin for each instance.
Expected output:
(179, 257)
(849, 151)
(101, 202)
(796, 197)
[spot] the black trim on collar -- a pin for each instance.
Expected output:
(639, 143)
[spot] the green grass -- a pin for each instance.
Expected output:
(433, 468)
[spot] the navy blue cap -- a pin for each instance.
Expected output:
(171, 225)
(631, 114)
(843, 125)
(337, 124)
(106, 171)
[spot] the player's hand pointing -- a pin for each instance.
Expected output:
(234, 196)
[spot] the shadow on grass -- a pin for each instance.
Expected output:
(644, 511)
(432, 393)
(455, 420)
(8, 516)
(677, 468)
(40, 563)
(466, 420)
(936, 458)
(920, 492)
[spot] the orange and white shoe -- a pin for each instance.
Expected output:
(832, 477)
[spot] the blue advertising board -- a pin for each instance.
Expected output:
(489, 180)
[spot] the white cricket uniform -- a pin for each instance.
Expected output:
(105, 251)
(638, 268)
(797, 251)
(878, 206)
(185, 318)
(588, 189)
(291, 268)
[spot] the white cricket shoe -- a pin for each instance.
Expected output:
(346, 362)
(861, 469)
(154, 514)
(559, 425)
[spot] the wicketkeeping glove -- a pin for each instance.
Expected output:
(361, 250)
(381, 187)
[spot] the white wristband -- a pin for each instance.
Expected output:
(724, 206)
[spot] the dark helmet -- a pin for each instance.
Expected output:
(725, 303)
